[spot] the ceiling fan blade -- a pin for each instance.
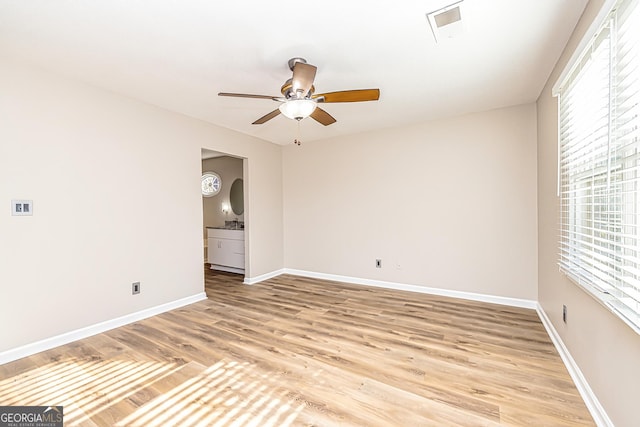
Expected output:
(246, 95)
(303, 76)
(349, 96)
(322, 117)
(266, 117)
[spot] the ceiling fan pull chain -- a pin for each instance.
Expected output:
(297, 140)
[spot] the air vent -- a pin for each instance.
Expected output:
(447, 23)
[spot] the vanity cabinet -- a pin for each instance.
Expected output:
(226, 249)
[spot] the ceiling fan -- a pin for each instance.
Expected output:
(299, 99)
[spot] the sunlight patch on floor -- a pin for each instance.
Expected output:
(83, 388)
(226, 394)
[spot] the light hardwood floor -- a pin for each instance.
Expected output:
(296, 351)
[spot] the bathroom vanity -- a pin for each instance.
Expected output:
(226, 249)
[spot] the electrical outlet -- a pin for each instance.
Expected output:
(378, 263)
(564, 313)
(135, 288)
(21, 207)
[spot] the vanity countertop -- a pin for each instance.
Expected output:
(226, 228)
(230, 225)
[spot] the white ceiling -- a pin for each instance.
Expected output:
(178, 54)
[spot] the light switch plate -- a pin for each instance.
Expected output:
(21, 207)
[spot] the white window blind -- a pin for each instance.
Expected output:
(599, 165)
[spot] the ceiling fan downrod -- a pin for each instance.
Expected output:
(293, 61)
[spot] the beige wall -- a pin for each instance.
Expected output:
(448, 204)
(116, 191)
(229, 169)
(606, 349)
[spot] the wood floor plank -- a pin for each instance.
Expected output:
(298, 351)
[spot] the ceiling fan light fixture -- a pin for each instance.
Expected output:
(298, 109)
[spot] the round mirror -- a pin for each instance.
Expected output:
(236, 197)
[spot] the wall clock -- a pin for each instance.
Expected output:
(211, 184)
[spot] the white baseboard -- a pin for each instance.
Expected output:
(591, 401)
(263, 277)
(58, 340)
(514, 302)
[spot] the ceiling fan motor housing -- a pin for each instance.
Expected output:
(288, 93)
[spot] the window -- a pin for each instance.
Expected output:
(599, 164)
(211, 184)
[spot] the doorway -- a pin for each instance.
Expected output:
(223, 211)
